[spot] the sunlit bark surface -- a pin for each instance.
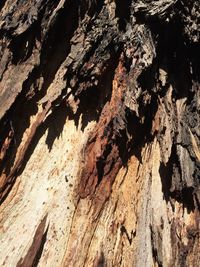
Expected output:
(99, 133)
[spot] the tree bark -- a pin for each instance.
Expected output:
(99, 133)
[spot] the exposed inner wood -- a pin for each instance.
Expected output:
(99, 133)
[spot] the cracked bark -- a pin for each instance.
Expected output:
(99, 133)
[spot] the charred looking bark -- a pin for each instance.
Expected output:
(133, 68)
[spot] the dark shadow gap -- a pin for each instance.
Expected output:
(56, 45)
(41, 249)
(172, 184)
(123, 13)
(2, 3)
(94, 98)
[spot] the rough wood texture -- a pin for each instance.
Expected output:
(99, 133)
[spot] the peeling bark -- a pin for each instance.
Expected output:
(99, 133)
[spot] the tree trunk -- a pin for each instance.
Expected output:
(99, 133)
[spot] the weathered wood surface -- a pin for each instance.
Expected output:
(99, 133)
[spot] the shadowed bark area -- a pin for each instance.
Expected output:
(99, 133)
